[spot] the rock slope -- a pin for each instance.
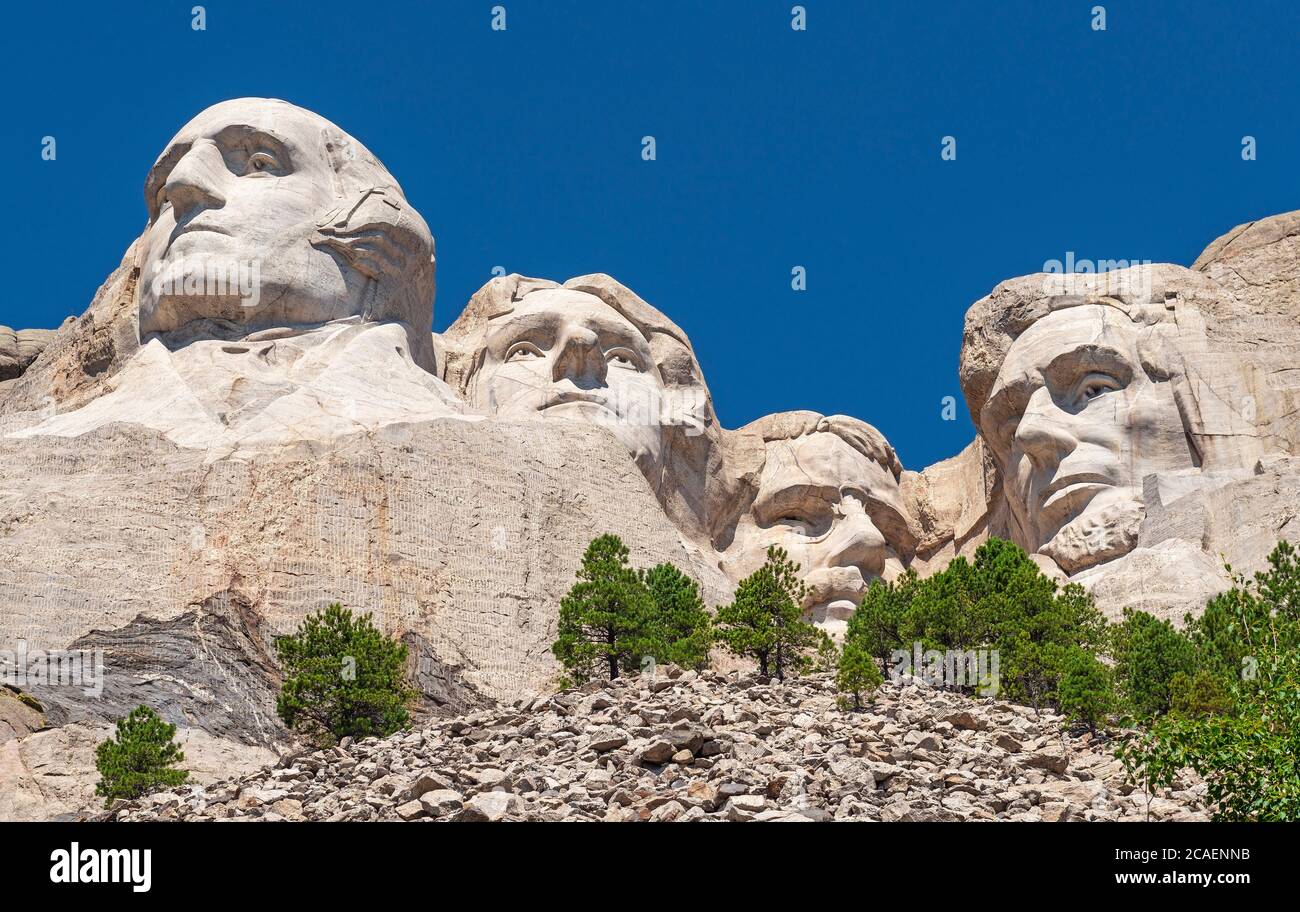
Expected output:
(698, 747)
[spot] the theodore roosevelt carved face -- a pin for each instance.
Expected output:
(828, 494)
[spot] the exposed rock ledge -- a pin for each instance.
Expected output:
(707, 746)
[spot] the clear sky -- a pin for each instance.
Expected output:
(775, 149)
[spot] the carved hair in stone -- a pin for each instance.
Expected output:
(826, 489)
(263, 214)
(1085, 388)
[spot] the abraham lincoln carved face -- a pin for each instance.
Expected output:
(1078, 417)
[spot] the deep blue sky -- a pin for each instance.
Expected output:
(775, 148)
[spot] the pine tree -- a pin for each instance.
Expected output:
(607, 621)
(139, 759)
(1149, 652)
(342, 677)
(1085, 693)
(880, 619)
(765, 619)
(1199, 695)
(1235, 719)
(857, 675)
(683, 628)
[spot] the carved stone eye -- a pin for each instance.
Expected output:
(261, 161)
(621, 357)
(523, 351)
(1096, 388)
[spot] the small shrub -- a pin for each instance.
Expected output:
(139, 759)
(1201, 694)
(1148, 654)
(858, 675)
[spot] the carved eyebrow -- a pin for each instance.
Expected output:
(514, 329)
(788, 497)
(1063, 370)
(240, 134)
(612, 331)
(546, 323)
(1068, 366)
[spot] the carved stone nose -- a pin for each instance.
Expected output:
(856, 542)
(194, 182)
(580, 359)
(1044, 433)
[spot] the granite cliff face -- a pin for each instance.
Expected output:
(252, 419)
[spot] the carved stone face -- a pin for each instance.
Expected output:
(568, 355)
(1077, 423)
(238, 194)
(837, 512)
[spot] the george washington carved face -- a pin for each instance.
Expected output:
(265, 214)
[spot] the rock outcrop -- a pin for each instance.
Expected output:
(701, 747)
(18, 349)
(50, 775)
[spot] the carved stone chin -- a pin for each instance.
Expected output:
(1097, 536)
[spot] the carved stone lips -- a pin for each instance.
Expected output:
(829, 584)
(1069, 486)
(191, 227)
(576, 398)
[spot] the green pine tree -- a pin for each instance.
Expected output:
(879, 621)
(684, 630)
(608, 620)
(139, 759)
(857, 675)
(1148, 654)
(342, 677)
(1235, 718)
(1085, 693)
(765, 619)
(1201, 694)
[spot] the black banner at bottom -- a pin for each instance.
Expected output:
(339, 862)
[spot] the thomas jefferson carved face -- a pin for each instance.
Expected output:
(263, 213)
(836, 511)
(566, 354)
(1077, 422)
